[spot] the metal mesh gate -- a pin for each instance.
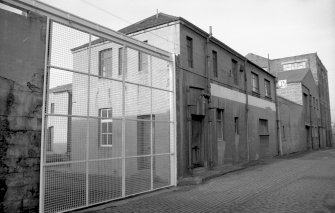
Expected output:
(109, 129)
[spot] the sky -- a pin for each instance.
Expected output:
(279, 28)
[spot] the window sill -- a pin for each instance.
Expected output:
(255, 94)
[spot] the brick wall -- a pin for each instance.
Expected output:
(22, 41)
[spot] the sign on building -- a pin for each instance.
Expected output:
(281, 84)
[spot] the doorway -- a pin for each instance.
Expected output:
(197, 147)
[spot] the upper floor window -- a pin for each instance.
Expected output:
(189, 44)
(142, 60)
(234, 71)
(267, 88)
(52, 108)
(120, 60)
(294, 66)
(254, 82)
(106, 127)
(50, 140)
(215, 63)
(105, 62)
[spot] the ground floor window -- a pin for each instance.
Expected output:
(106, 127)
(219, 124)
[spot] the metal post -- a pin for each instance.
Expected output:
(88, 119)
(151, 130)
(123, 155)
(44, 109)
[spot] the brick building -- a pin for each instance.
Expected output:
(226, 109)
(318, 101)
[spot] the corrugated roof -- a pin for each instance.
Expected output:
(152, 21)
(293, 75)
(61, 88)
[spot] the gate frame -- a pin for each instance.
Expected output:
(54, 14)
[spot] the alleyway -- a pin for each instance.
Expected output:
(301, 183)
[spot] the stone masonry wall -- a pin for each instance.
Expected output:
(22, 50)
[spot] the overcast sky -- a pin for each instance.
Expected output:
(278, 27)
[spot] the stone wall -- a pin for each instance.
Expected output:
(22, 51)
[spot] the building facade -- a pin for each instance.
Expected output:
(226, 111)
(320, 75)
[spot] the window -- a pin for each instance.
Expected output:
(263, 128)
(294, 66)
(50, 140)
(52, 108)
(254, 82)
(234, 70)
(215, 63)
(189, 44)
(105, 63)
(314, 103)
(284, 133)
(142, 60)
(237, 131)
(106, 127)
(120, 60)
(219, 124)
(267, 88)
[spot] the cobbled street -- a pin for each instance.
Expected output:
(298, 183)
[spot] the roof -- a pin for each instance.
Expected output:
(62, 88)
(293, 75)
(152, 21)
(259, 60)
(162, 18)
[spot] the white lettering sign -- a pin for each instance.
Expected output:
(281, 84)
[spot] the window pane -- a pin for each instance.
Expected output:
(110, 127)
(104, 127)
(104, 139)
(104, 113)
(110, 138)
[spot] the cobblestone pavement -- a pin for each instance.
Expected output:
(304, 183)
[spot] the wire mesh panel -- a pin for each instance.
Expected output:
(108, 125)
(65, 186)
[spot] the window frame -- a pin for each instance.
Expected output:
(215, 63)
(108, 120)
(52, 108)
(234, 68)
(263, 123)
(103, 73)
(189, 47)
(120, 60)
(267, 88)
(50, 141)
(253, 87)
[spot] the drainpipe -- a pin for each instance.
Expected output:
(208, 95)
(279, 137)
(246, 108)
